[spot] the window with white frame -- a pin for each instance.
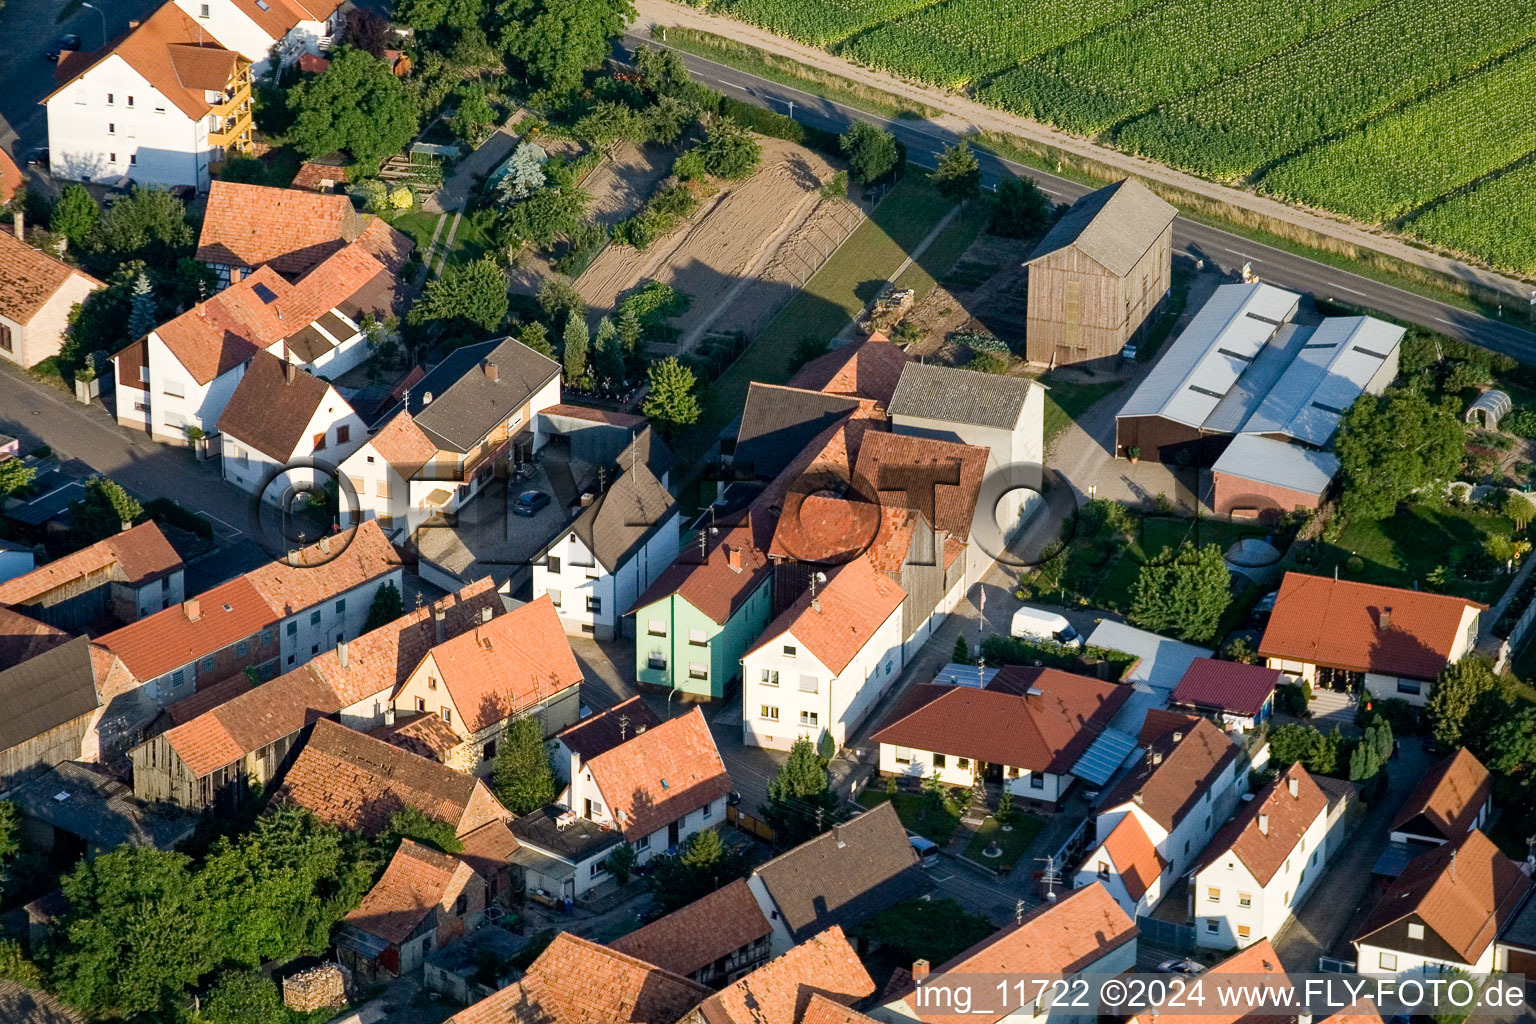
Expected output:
(789, 650)
(656, 627)
(769, 713)
(770, 677)
(1387, 961)
(1415, 930)
(698, 670)
(903, 755)
(808, 718)
(698, 638)
(174, 388)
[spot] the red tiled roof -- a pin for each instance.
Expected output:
(827, 462)
(821, 1010)
(1462, 891)
(1449, 796)
(353, 781)
(251, 720)
(327, 569)
(403, 445)
(272, 406)
(207, 698)
(427, 735)
(29, 278)
(489, 848)
(1136, 860)
(1228, 685)
(215, 336)
(780, 991)
(142, 553)
(606, 729)
(577, 981)
(697, 935)
(1287, 817)
(417, 880)
(1363, 627)
(382, 659)
(1243, 968)
(289, 229)
(940, 480)
(1008, 723)
(655, 778)
(869, 368)
(311, 176)
(507, 665)
(170, 639)
(842, 617)
(1362, 1012)
(719, 584)
(173, 53)
(11, 178)
(822, 528)
(22, 638)
(1180, 766)
(313, 63)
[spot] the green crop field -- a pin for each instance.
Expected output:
(1413, 113)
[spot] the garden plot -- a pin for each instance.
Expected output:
(735, 238)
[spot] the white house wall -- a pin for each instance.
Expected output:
(233, 28)
(1369, 961)
(310, 631)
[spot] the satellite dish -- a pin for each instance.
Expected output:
(821, 577)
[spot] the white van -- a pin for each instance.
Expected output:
(926, 849)
(1039, 624)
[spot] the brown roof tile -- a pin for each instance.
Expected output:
(606, 729)
(869, 368)
(1174, 775)
(577, 981)
(719, 584)
(170, 639)
(1462, 891)
(1363, 627)
(11, 178)
(656, 777)
(427, 735)
(940, 480)
(403, 445)
(1287, 819)
(141, 553)
(288, 229)
(1039, 719)
(206, 699)
(511, 663)
(842, 617)
(1229, 685)
(823, 528)
(1449, 796)
(326, 569)
(29, 278)
(821, 1010)
(272, 405)
(780, 991)
(489, 848)
(22, 638)
(697, 935)
(1244, 968)
(251, 720)
(354, 781)
(581, 412)
(1136, 860)
(417, 880)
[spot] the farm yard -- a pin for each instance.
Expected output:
(1412, 114)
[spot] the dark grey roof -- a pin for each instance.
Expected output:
(845, 876)
(624, 517)
(1520, 929)
(573, 843)
(1114, 226)
(54, 493)
(29, 1006)
(44, 692)
(647, 448)
(778, 422)
(960, 396)
(96, 807)
(466, 403)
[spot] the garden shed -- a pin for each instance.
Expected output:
(1489, 408)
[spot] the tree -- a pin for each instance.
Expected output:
(545, 215)
(14, 475)
(474, 118)
(608, 123)
(142, 316)
(358, 105)
(621, 863)
(1185, 595)
(608, 354)
(573, 350)
(387, 606)
(872, 152)
(1457, 690)
(75, 214)
(104, 510)
(413, 823)
(560, 300)
(958, 174)
(366, 30)
(536, 336)
(134, 937)
(10, 837)
(936, 930)
(704, 865)
(150, 225)
(1363, 763)
(525, 174)
(1511, 755)
(1295, 742)
(524, 780)
(1378, 735)
(1019, 209)
(244, 997)
(556, 40)
(962, 651)
(835, 187)
(1520, 509)
(468, 298)
(729, 150)
(672, 402)
(801, 802)
(630, 327)
(1391, 445)
(668, 118)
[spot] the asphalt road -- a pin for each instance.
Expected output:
(925, 140)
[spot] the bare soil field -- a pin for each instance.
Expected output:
(741, 255)
(985, 291)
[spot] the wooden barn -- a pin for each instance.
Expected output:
(1099, 275)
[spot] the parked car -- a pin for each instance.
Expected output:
(926, 849)
(1266, 604)
(184, 193)
(529, 503)
(38, 158)
(1039, 624)
(1180, 966)
(63, 45)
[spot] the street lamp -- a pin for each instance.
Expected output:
(100, 14)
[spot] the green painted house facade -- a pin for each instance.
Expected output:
(677, 646)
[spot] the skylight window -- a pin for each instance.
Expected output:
(265, 294)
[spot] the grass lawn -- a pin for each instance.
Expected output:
(1065, 401)
(915, 813)
(419, 225)
(831, 298)
(1025, 828)
(1157, 533)
(1401, 551)
(945, 251)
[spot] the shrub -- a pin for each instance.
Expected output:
(987, 362)
(689, 166)
(164, 510)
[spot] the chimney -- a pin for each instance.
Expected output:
(1139, 798)
(485, 615)
(288, 372)
(1157, 759)
(919, 970)
(816, 604)
(1294, 786)
(491, 372)
(19, 222)
(192, 608)
(126, 526)
(1264, 824)
(325, 545)
(426, 398)
(733, 557)
(1178, 737)
(1384, 620)
(439, 615)
(837, 837)
(389, 715)
(341, 653)
(133, 23)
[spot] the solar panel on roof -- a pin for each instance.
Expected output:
(1104, 757)
(265, 294)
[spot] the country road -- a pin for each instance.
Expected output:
(924, 141)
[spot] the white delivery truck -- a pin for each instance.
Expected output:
(1039, 624)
